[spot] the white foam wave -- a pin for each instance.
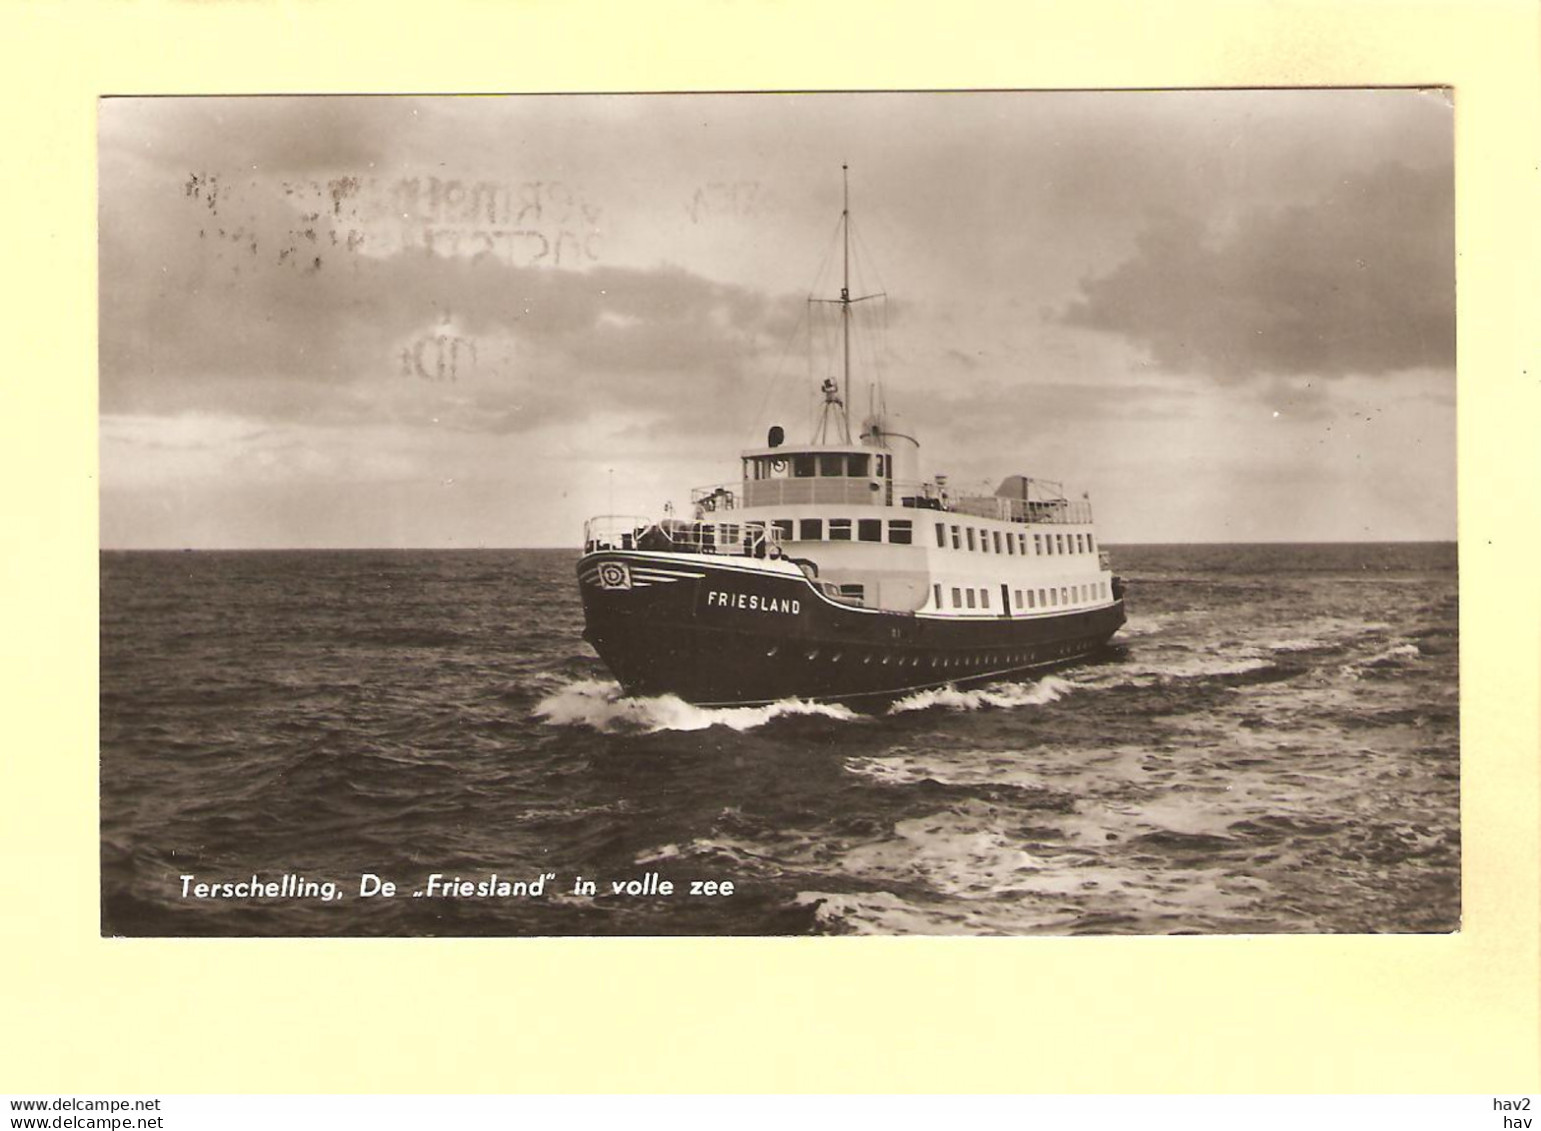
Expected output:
(1045, 690)
(1149, 624)
(964, 767)
(601, 705)
(1381, 659)
(1296, 644)
(884, 913)
(660, 854)
(1134, 674)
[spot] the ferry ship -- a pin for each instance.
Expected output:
(832, 571)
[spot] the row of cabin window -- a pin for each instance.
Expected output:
(901, 531)
(830, 465)
(1036, 598)
(1015, 542)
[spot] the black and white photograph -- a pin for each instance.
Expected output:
(977, 512)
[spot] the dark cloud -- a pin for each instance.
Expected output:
(482, 344)
(1361, 281)
(268, 133)
(226, 292)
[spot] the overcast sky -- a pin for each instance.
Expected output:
(442, 322)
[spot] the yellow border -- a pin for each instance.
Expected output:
(1404, 1014)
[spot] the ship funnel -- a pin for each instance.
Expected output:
(775, 437)
(889, 431)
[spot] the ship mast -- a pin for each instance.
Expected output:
(845, 292)
(837, 394)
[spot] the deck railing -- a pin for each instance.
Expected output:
(614, 532)
(1058, 511)
(633, 532)
(795, 492)
(712, 501)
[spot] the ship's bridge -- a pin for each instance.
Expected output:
(809, 475)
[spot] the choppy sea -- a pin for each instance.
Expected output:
(1270, 745)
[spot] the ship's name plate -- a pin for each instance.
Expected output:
(752, 602)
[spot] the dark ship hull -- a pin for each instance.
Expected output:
(738, 632)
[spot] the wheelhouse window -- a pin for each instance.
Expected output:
(856, 466)
(804, 467)
(901, 531)
(839, 530)
(810, 529)
(869, 529)
(831, 466)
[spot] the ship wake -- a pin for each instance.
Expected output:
(1045, 690)
(601, 705)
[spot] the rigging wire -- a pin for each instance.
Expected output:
(803, 320)
(823, 335)
(878, 348)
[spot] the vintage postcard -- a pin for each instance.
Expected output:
(979, 512)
